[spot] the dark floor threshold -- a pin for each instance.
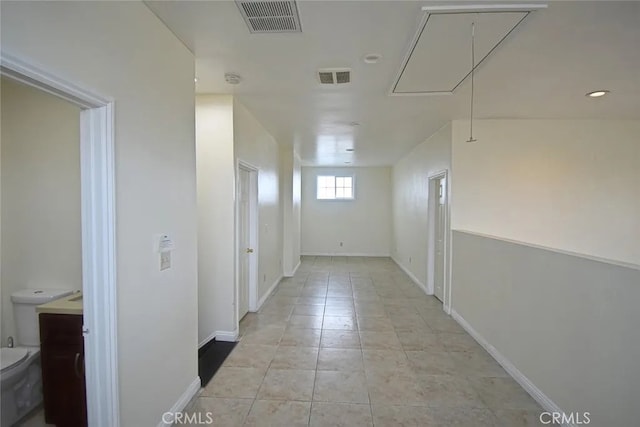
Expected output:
(210, 358)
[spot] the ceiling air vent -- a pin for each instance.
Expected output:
(334, 76)
(343, 77)
(326, 77)
(270, 16)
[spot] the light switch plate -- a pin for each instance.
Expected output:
(164, 243)
(165, 260)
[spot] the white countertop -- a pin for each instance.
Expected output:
(71, 304)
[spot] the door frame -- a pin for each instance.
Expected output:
(97, 164)
(431, 241)
(253, 237)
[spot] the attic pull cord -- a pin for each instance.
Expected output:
(473, 70)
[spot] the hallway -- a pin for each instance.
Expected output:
(354, 342)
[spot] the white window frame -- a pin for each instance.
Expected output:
(335, 177)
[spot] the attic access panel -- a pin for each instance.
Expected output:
(439, 58)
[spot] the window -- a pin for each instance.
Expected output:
(332, 187)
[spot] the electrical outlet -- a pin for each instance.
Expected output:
(340, 244)
(264, 278)
(409, 260)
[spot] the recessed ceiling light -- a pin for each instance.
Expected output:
(195, 80)
(597, 93)
(349, 149)
(372, 58)
(232, 79)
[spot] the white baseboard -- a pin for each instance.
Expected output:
(181, 404)
(411, 275)
(206, 340)
(228, 336)
(269, 292)
(360, 254)
(295, 269)
(520, 378)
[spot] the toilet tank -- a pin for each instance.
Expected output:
(25, 302)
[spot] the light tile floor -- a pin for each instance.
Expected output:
(354, 342)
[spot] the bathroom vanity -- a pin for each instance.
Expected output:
(62, 355)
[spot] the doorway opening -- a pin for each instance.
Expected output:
(247, 240)
(97, 178)
(438, 238)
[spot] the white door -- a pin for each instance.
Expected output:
(244, 241)
(439, 222)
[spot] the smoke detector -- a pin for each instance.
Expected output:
(334, 76)
(372, 58)
(270, 16)
(232, 79)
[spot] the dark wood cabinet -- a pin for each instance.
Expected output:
(63, 384)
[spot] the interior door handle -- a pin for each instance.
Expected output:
(75, 366)
(249, 250)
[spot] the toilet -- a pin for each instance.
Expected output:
(21, 377)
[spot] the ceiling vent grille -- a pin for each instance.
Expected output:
(326, 77)
(334, 77)
(270, 16)
(343, 77)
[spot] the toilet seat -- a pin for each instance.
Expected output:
(10, 357)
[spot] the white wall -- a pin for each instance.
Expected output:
(121, 50)
(296, 206)
(216, 220)
(255, 146)
(410, 201)
(291, 198)
(569, 185)
(227, 133)
(363, 225)
(567, 323)
(41, 241)
(552, 187)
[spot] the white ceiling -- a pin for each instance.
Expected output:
(542, 70)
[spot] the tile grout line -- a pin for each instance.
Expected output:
(268, 366)
(364, 368)
(315, 375)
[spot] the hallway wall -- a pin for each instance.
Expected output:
(572, 185)
(410, 201)
(123, 51)
(255, 145)
(291, 200)
(226, 134)
(568, 323)
(363, 225)
(546, 261)
(216, 216)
